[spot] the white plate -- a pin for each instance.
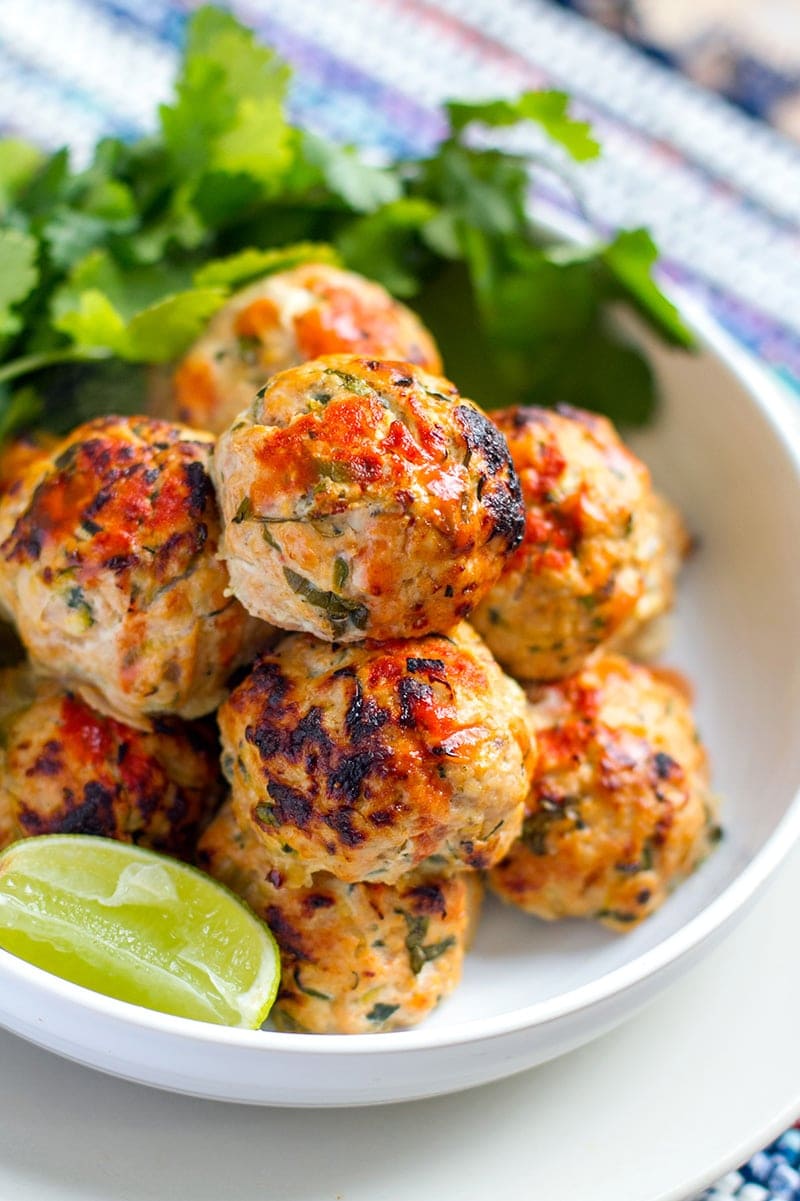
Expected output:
(682, 1092)
(726, 450)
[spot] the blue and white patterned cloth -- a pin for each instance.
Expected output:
(720, 191)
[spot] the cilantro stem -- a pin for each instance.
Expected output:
(28, 364)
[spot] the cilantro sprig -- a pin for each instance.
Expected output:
(109, 270)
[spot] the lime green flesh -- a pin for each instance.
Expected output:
(137, 926)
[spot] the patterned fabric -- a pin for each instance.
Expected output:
(749, 53)
(720, 191)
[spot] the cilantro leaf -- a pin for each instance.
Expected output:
(548, 109)
(362, 187)
(630, 258)
(386, 244)
(93, 322)
(241, 268)
(166, 329)
(156, 333)
(229, 108)
(18, 277)
(19, 161)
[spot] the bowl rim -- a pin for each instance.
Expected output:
(776, 407)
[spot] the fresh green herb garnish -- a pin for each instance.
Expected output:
(127, 259)
(381, 1012)
(420, 953)
(340, 611)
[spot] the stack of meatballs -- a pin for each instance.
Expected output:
(417, 626)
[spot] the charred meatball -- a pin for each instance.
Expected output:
(584, 562)
(284, 320)
(364, 499)
(364, 761)
(620, 809)
(644, 634)
(66, 769)
(356, 958)
(111, 573)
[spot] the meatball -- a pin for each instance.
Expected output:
(284, 320)
(364, 499)
(356, 958)
(110, 571)
(65, 769)
(643, 635)
(584, 561)
(620, 809)
(364, 761)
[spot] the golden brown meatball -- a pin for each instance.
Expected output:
(356, 958)
(284, 320)
(644, 634)
(366, 760)
(364, 499)
(620, 809)
(110, 571)
(583, 563)
(65, 769)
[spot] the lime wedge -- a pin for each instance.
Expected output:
(137, 926)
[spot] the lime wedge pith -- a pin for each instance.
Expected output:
(137, 926)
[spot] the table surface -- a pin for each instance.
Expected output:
(651, 1112)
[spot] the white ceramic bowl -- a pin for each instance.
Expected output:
(726, 449)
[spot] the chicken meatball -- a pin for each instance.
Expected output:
(364, 499)
(66, 769)
(356, 958)
(644, 634)
(284, 320)
(584, 561)
(110, 571)
(620, 808)
(364, 761)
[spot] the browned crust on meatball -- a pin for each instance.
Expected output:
(620, 809)
(363, 498)
(66, 769)
(583, 563)
(366, 760)
(285, 319)
(110, 570)
(356, 958)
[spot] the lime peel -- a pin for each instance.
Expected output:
(137, 926)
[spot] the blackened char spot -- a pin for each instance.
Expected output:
(424, 665)
(428, 898)
(288, 938)
(411, 693)
(341, 821)
(121, 562)
(267, 684)
(363, 717)
(664, 764)
(265, 738)
(347, 778)
(94, 816)
(481, 435)
(506, 508)
(318, 900)
(48, 762)
(199, 487)
(309, 731)
(528, 415)
(291, 806)
(100, 501)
